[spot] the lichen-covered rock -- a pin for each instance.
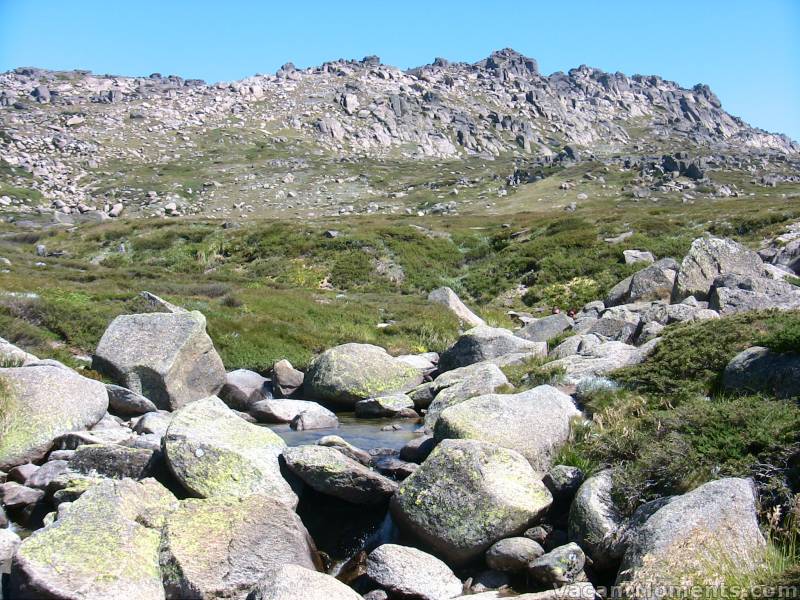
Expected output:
(485, 343)
(330, 472)
(292, 582)
(535, 423)
(221, 547)
(113, 460)
(213, 452)
(40, 403)
(166, 357)
(461, 384)
(105, 546)
(384, 406)
(406, 572)
(709, 258)
(759, 370)
(559, 567)
(694, 540)
(512, 555)
(595, 521)
(466, 496)
(348, 373)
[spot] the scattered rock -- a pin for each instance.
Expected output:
(448, 298)
(512, 555)
(484, 343)
(410, 573)
(286, 380)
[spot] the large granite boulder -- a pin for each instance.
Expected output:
(410, 573)
(466, 496)
(601, 359)
(105, 546)
(214, 452)
(166, 357)
(694, 540)
(708, 258)
(595, 521)
(243, 388)
(448, 298)
(759, 370)
(546, 328)
(348, 373)
(732, 294)
(485, 343)
(461, 384)
(329, 471)
(39, 403)
(293, 582)
(535, 423)
(221, 547)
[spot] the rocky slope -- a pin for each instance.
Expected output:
(350, 136)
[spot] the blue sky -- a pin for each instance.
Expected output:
(747, 51)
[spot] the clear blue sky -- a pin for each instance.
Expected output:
(747, 51)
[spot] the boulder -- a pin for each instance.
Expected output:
(314, 420)
(709, 258)
(166, 357)
(127, 403)
(330, 472)
(40, 403)
(559, 567)
(9, 542)
(285, 411)
(616, 324)
(512, 555)
(466, 496)
(351, 372)
(418, 449)
(153, 423)
(112, 460)
(105, 546)
(48, 472)
(385, 406)
(546, 328)
(563, 481)
(732, 294)
(484, 343)
(637, 256)
(213, 452)
(575, 344)
(406, 572)
(346, 448)
(759, 370)
(448, 298)
(601, 360)
(243, 388)
(462, 384)
(15, 495)
(535, 423)
(291, 582)
(595, 521)
(654, 282)
(286, 380)
(221, 547)
(11, 355)
(694, 540)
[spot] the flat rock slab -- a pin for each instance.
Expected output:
(213, 452)
(40, 403)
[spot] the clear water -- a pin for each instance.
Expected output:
(362, 433)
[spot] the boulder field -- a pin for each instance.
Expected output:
(167, 483)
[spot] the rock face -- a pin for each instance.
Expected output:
(458, 385)
(221, 547)
(286, 380)
(594, 521)
(535, 423)
(213, 452)
(166, 357)
(410, 573)
(329, 471)
(759, 370)
(291, 582)
(351, 372)
(105, 546)
(448, 298)
(485, 343)
(694, 539)
(40, 403)
(466, 496)
(708, 258)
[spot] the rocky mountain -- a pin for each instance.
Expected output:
(348, 136)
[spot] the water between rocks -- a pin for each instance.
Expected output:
(341, 530)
